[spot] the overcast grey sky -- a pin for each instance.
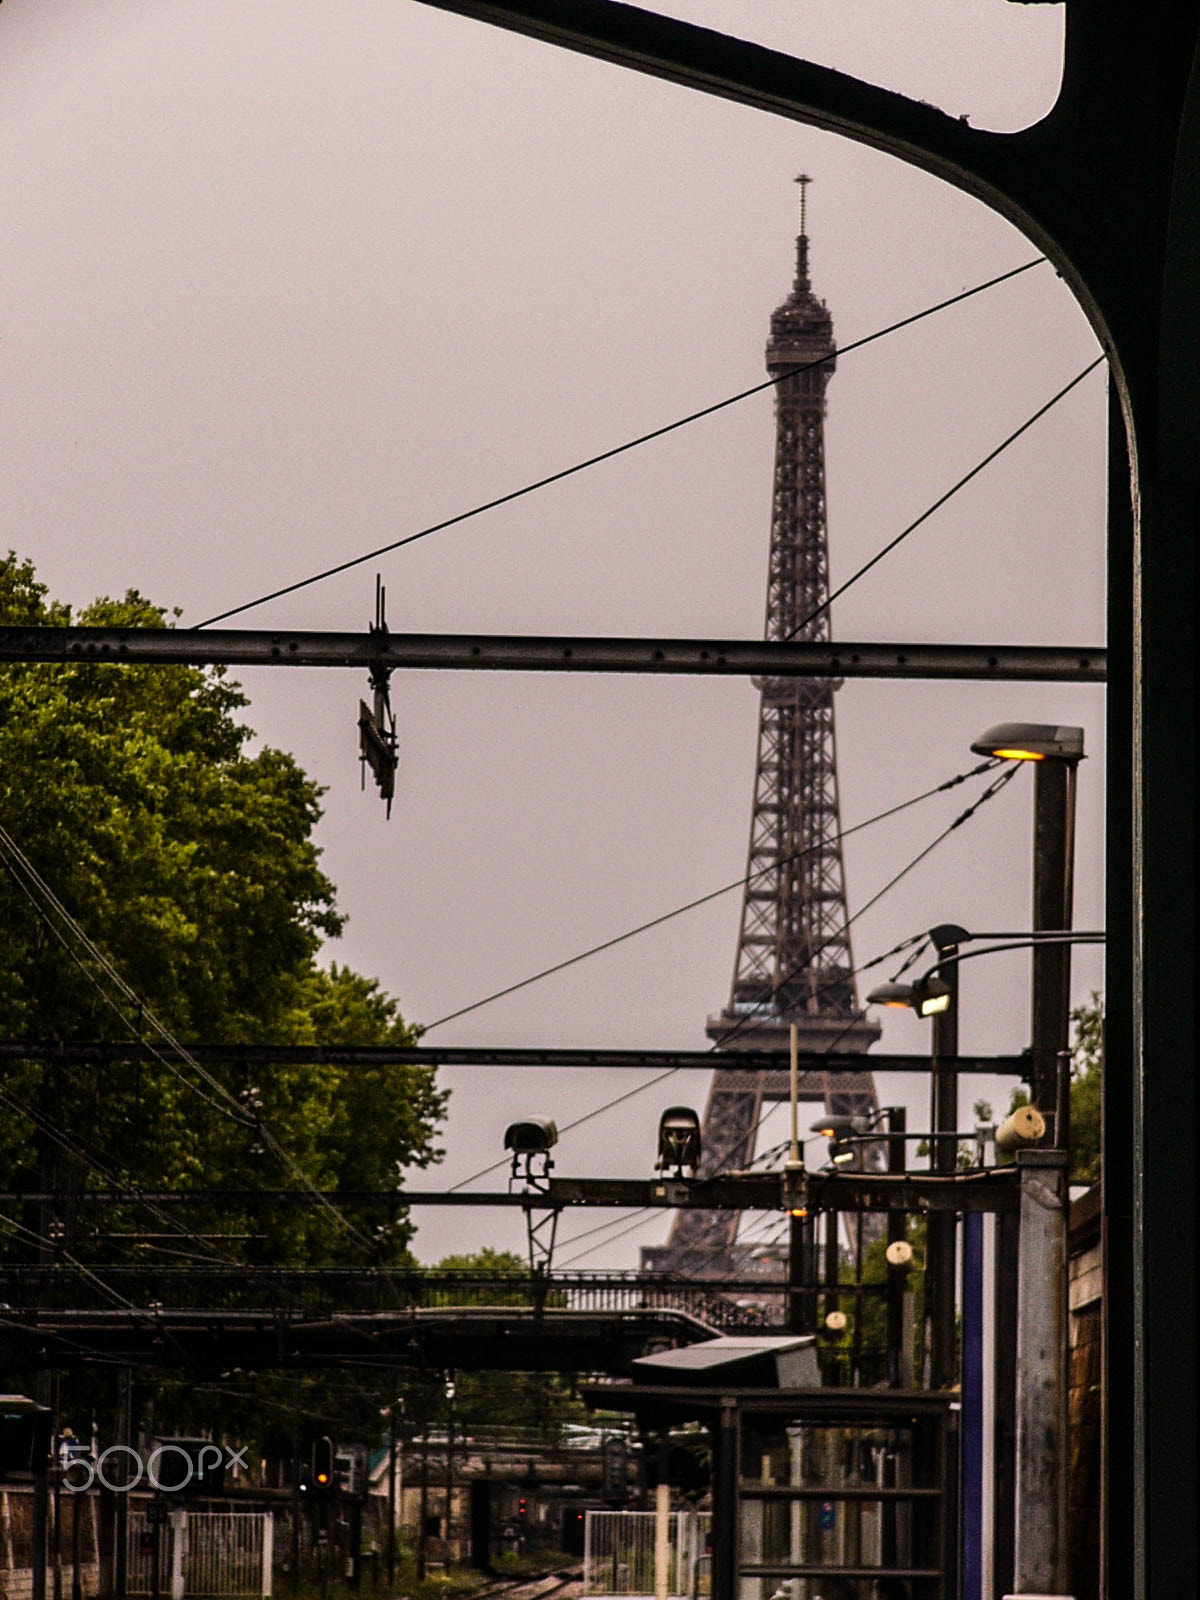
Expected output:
(279, 284)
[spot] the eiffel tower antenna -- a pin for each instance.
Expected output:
(794, 963)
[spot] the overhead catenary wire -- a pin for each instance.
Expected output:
(989, 793)
(608, 455)
(991, 790)
(948, 495)
(918, 942)
(713, 894)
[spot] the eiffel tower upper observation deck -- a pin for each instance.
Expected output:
(794, 962)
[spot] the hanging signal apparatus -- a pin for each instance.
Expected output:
(376, 724)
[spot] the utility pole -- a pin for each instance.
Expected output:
(1042, 1373)
(940, 1239)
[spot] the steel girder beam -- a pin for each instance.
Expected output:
(469, 652)
(993, 1190)
(426, 1055)
(1107, 184)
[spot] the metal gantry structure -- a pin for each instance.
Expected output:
(794, 965)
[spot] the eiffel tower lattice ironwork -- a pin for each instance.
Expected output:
(794, 962)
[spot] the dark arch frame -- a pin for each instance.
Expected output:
(1108, 186)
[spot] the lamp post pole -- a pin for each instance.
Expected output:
(1040, 1554)
(1053, 896)
(1031, 1314)
(897, 1229)
(942, 1225)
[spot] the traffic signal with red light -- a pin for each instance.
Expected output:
(521, 1509)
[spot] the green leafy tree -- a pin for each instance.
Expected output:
(872, 1307)
(132, 796)
(1087, 1068)
(521, 1403)
(1087, 1071)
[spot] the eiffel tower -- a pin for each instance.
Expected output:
(794, 963)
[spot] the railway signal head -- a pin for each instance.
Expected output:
(532, 1138)
(679, 1140)
(322, 1465)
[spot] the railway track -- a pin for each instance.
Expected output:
(531, 1586)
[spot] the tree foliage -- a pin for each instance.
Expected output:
(1087, 1073)
(518, 1403)
(187, 858)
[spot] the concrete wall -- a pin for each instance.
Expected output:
(16, 1545)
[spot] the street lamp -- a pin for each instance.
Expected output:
(1056, 752)
(1031, 1255)
(1030, 741)
(927, 996)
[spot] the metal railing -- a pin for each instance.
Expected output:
(618, 1552)
(317, 1292)
(209, 1555)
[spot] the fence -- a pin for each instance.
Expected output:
(618, 1552)
(217, 1555)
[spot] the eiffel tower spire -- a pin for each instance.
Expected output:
(794, 962)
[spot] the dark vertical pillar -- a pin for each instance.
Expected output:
(831, 1261)
(1004, 1421)
(41, 1507)
(726, 1451)
(941, 1265)
(1117, 1483)
(120, 1519)
(78, 1503)
(156, 1528)
(831, 1303)
(1053, 855)
(423, 1513)
(481, 1522)
(972, 1408)
(356, 1518)
(1041, 1449)
(296, 1469)
(449, 1475)
(393, 1445)
(802, 1274)
(897, 1228)
(56, 1505)
(859, 1299)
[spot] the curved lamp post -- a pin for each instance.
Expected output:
(1031, 1367)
